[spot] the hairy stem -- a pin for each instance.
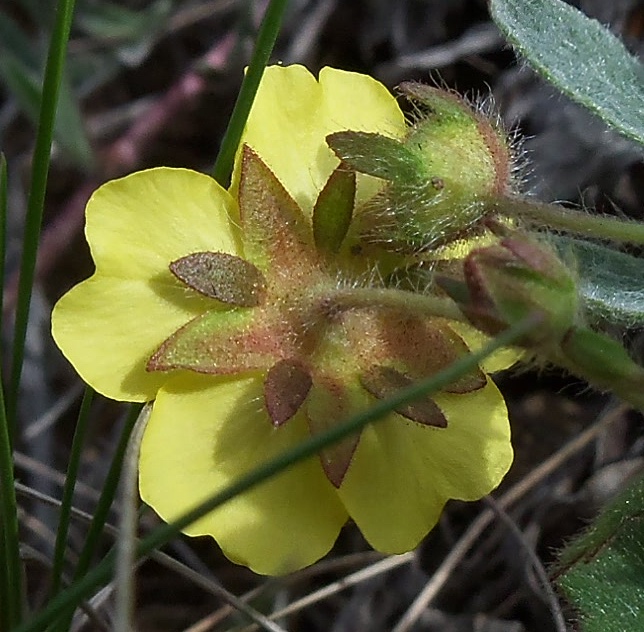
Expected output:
(581, 223)
(421, 304)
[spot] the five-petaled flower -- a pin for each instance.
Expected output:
(234, 311)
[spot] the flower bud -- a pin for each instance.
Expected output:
(513, 280)
(443, 177)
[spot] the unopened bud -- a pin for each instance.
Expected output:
(443, 177)
(516, 279)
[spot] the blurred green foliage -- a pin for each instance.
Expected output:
(109, 36)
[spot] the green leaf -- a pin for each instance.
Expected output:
(579, 56)
(602, 572)
(610, 282)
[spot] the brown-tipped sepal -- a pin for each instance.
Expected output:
(226, 342)
(383, 382)
(286, 386)
(332, 400)
(277, 235)
(228, 278)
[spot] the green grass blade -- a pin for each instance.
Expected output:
(82, 588)
(4, 186)
(68, 492)
(40, 169)
(101, 512)
(263, 48)
(4, 567)
(9, 522)
(10, 568)
(579, 56)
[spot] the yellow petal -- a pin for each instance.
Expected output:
(109, 326)
(403, 472)
(293, 113)
(207, 432)
(500, 360)
(138, 224)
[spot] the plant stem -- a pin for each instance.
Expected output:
(421, 304)
(40, 171)
(264, 44)
(581, 223)
(162, 535)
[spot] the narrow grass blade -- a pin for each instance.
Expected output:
(10, 571)
(68, 492)
(40, 170)
(263, 48)
(101, 512)
(11, 592)
(4, 566)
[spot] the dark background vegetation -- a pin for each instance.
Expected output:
(153, 82)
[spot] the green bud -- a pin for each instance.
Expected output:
(508, 282)
(443, 178)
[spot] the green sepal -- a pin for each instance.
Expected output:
(333, 211)
(277, 236)
(376, 155)
(228, 278)
(224, 342)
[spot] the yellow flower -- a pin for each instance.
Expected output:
(218, 305)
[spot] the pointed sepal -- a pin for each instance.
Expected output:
(333, 211)
(286, 386)
(224, 342)
(277, 236)
(228, 278)
(331, 401)
(383, 382)
(376, 155)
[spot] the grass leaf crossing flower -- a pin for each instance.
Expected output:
(245, 318)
